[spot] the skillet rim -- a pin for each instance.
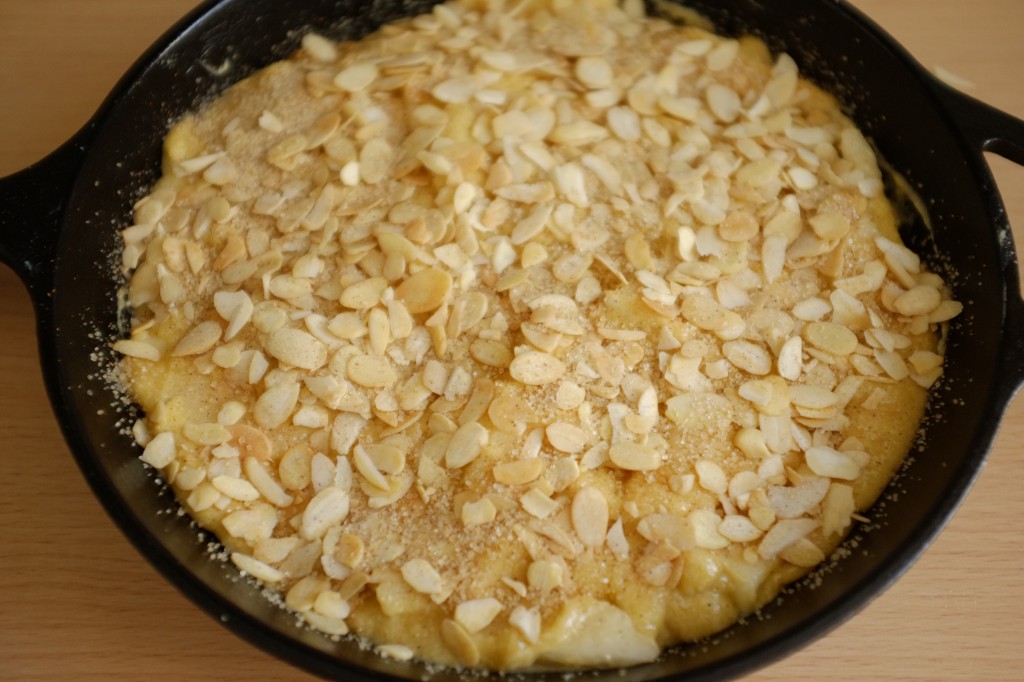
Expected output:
(261, 635)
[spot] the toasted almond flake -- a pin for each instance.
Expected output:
(624, 123)
(722, 55)
(518, 472)
(837, 509)
(375, 161)
(738, 226)
(773, 256)
(235, 488)
(371, 371)
(537, 504)
(703, 525)
(386, 457)
(920, 300)
(634, 457)
(350, 173)
(711, 476)
(897, 256)
(302, 595)
(566, 437)
(589, 513)
(365, 465)
(811, 309)
(893, 364)
(748, 356)
(199, 339)
(203, 497)
(804, 180)
(256, 568)
(783, 534)
(477, 614)
(515, 586)
(456, 90)
(924, 361)
(723, 101)
(275, 405)
(790, 362)
(705, 312)
(197, 164)
(544, 575)
(781, 88)
(946, 311)
(379, 327)
(134, 348)
(478, 513)
(760, 172)
(491, 353)
(460, 643)
(578, 133)
(826, 461)
(328, 508)
(683, 108)
(363, 294)
(789, 502)
(422, 577)
(356, 77)
(425, 291)
(261, 479)
(532, 225)
(594, 72)
(319, 48)
(831, 338)
(742, 484)
(223, 171)
(527, 192)
(830, 226)
(527, 622)
(283, 154)
(803, 553)
(535, 368)
(571, 183)
(230, 413)
(206, 434)
(297, 348)
(465, 445)
(160, 451)
(739, 529)
(605, 171)
(398, 652)
(771, 397)
(331, 605)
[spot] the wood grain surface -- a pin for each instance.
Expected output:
(77, 602)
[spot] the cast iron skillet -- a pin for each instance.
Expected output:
(58, 230)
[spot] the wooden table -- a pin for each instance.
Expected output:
(77, 602)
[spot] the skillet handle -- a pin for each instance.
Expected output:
(990, 130)
(32, 204)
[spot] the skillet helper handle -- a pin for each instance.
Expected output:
(32, 205)
(990, 130)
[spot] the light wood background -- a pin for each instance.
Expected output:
(77, 602)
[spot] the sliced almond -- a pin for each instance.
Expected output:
(826, 461)
(424, 291)
(590, 516)
(536, 369)
(634, 457)
(477, 614)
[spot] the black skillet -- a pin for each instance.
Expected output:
(58, 231)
